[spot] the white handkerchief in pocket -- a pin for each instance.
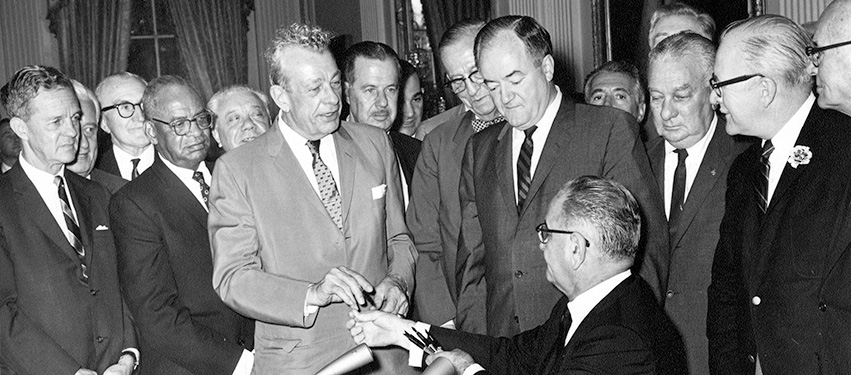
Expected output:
(101, 227)
(378, 191)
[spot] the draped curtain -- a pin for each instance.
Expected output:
(93, 36)
(213, 42)
(442, 14)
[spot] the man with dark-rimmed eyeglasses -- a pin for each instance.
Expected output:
(120, 97)
(831, 57)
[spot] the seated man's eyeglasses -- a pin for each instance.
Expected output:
(713, 82)
(544, 233)
(182, 125)
(815, 52)
(125, 109)
(458, 85)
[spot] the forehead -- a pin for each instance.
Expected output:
(504, 54)
(676, 71)
(372, 71)
(676, 23)
(88, 108)
(122, 87)
(239, 99)
(458, 58)
(612, 80)
(834, 28)
(728, 59)
(56, 102)
(178, 100)
(304, 64)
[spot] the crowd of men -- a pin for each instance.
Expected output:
(691, 218)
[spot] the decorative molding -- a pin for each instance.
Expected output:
(756, 7)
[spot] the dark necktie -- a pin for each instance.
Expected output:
(327, 187)
(135, 172)
(678, 194)
(205, 189)
(524, 168)
(553, 359)
(765, 167)
(479, 125)
(73, 233)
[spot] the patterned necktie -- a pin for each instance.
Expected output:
(327, 187)
(765, 167)
(205, 189)
(678, 194)
(73, 230)
(524, 165)
(135, 172)
(479, 125)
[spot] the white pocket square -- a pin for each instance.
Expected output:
(101, 227)
(378, 191)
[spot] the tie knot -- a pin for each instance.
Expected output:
(59, 181)
(198, 176)
(767, 149)
(530, 131)
(314, 147)
(682, 154)
(135, 162)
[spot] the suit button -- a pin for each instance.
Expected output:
(756, 300)
(822, 306)
(518, 274)
(517, 319)
(94, 292)
(99, 339)
(241, 342)
(670, 294)
(751, 358)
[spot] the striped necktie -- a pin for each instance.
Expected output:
(72, 232)
(765, 168)
(524, 168)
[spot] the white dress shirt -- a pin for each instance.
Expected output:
(327, 151)
(48, 190)
(539, 139)
(585, 302)
(784, 142)
(185, 176)
(693, 161)
(5, 168)
(125, 161)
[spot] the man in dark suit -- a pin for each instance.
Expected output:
(61, 308)
(371, 74)
(833, 68)
(510, 173)
(607, 320)
(690, 161)
(10, 146)
(120, 96)
(780, 295)
(164, 260)
(617, 84)
(434, 215)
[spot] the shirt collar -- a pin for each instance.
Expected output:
(701, 144)
(122, 157)
(186, 173)
(582, 305)
(787, 135)
(38, 176)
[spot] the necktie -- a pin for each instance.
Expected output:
(553, 359)
(327, 187)
(524, 165)
(135, 172)
(678, 194)
(765, 167)
(73, 230)
(205, 189)
(479, 125)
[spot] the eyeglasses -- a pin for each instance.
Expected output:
(181, 126)
(815, 52)
(544, 233)
(718, 85)
(458, 85)
(125, 109)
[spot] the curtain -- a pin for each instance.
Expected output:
(213, 42)
(439, 16)
(93, 37)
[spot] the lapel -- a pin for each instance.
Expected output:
(505, 170)
(83, 204)
(348, 165)
(596, 317)
(464, 131)
(552, 152)
(175, 191)
(656, 153)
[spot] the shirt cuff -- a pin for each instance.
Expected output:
(449, 325)
(136, 353)
(309, 309)
(473, 369)
(245, 364)
(415, 354)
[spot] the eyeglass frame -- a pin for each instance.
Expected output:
(815, 52)
(463, 81)
(117, 108)
(716, 86)
(543, 228)
(194, 119)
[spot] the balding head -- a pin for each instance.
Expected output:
(833, 70)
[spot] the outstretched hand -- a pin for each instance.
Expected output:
(340, 284)
(378, 328)
(390, 295)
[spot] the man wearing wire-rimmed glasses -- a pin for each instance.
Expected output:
(120, 96)
(831, 57)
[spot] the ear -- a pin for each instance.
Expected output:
(347, 87)
(103, 125)
(576, 250)
(19, 126)
(642, 107)
(216, 136)
(767, 91)
(548, 65)
(280, 97)
(151, 132)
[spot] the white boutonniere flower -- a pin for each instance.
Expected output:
(800, 155)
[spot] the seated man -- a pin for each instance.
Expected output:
(616, 84)
(608, 320)
(242, 114)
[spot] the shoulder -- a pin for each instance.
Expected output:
(435, 122)
(110, 181)
(87, 187)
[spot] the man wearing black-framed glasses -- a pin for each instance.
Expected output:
(831, 57)
(120, 96)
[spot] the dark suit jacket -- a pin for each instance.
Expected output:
(694, 240)
(50, 321)
(166, 275)
(781, 282)
(504, 289)
(407, 150)
(110, 181)
(107, 163)
(626, 333)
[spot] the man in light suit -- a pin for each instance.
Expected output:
(510, 174)
(607, 320)
(780, 296)
(307, 222)
(434, 214)
(164, 262)
(690, 161)
(61, 310)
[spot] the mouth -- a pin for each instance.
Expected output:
(246, 140)
(381, 116)
(329, 116)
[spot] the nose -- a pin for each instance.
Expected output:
(84, 143)
(138, 116)
(247, 124)
(331, 95)
(668, 111)
(471, 87)
(506, 95)
(607, 101)
(381, 100)
(408, 109)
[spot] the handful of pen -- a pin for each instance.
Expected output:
(427, 343)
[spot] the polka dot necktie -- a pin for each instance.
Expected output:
(327, 187)
(205, 189)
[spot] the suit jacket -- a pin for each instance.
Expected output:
(110, 181)
(407, 151)
(165, 267)
(626, 333)
(504, 290)
(272, 237)
(439, 119)
(781, 281)
(434, 218)
(107, 163)
(50, 321)
(695, 238)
